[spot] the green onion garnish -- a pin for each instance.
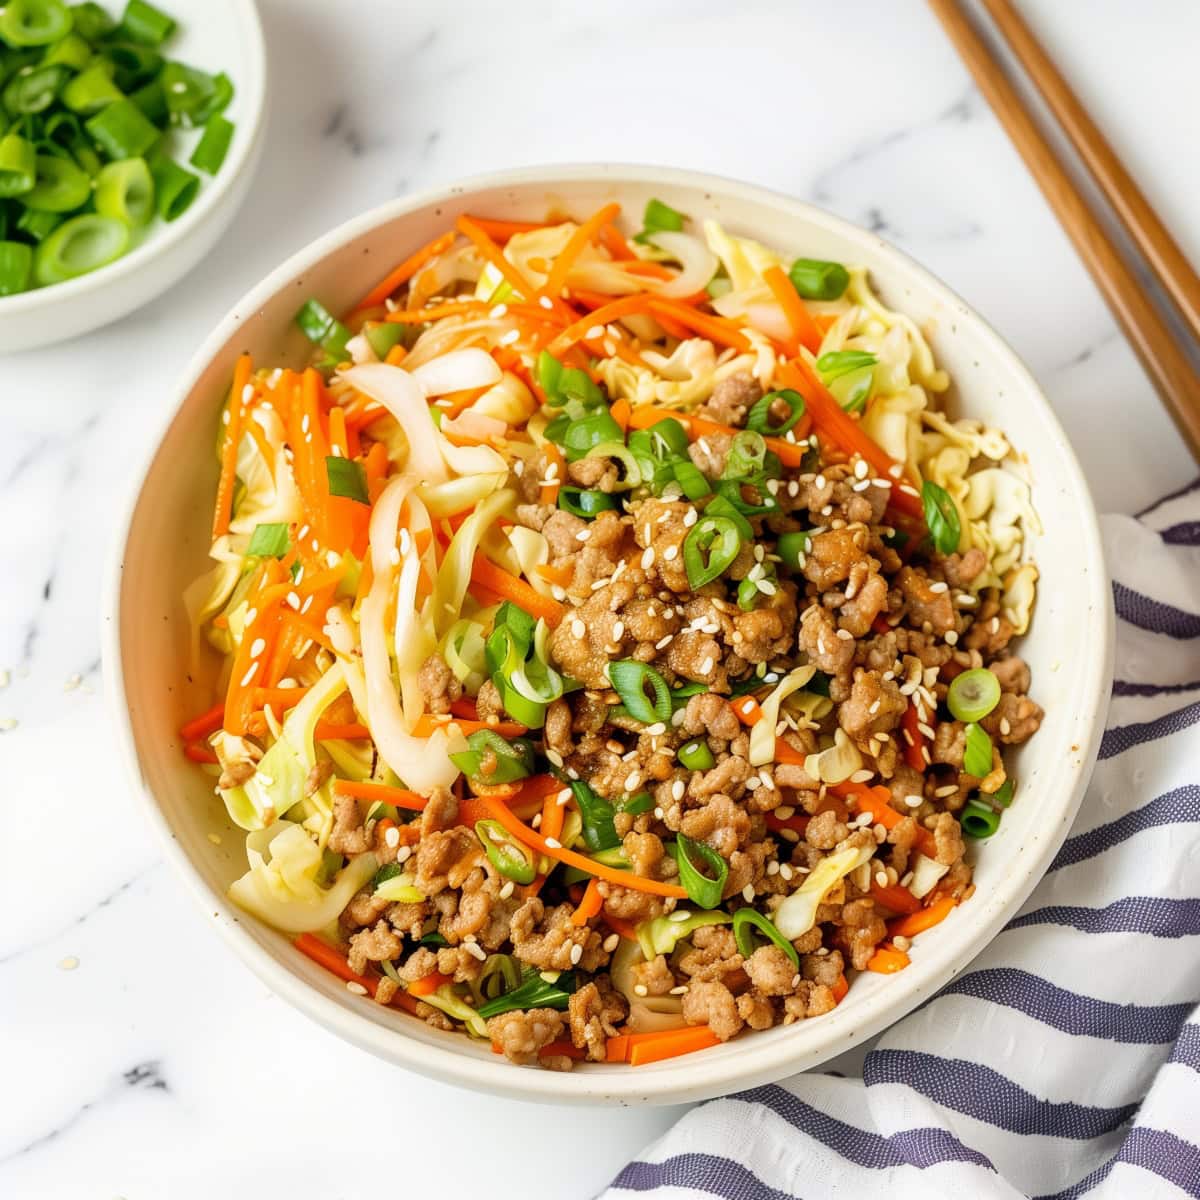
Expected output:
(973, 694)
(269, 541)
(695, 755)
(510, 858)
(702, 889)
(585, 503)
(321, 326)
(596, 813)
(122, 130)
(817, 280)
(346, 478)
(1004, 794)
(174, 188)
(792, 547)
(659, 218)
(34, 22)
(491, 759)
(34, 89)
(535, 992)
(630, 678)
(213, 145)
(18, 165)
(144, 23)
(941, 515)
(60, 187)
(759, 417)
(690, 478)
(710, 547)
(746, 921)
(977, 754)
(79, 245)
(125, 190)
(16, 265)
(979, 820)
(92, 89)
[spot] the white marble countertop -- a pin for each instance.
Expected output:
(140, 1060)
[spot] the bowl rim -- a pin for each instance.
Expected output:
(168, 235)
(683, 1079)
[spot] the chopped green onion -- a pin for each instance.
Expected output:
(34, 22)
(321, 326)
(80, 245)
(979, 820)
(564, 384)
(18, 165)
(16, 265)
(747, 595)
(122, 130)
(382, 336)
(710, 547)
(630, 677)
(346, 478)
(37, 224)
(152, 100)
(501, 973)
(510, 858)
(34, 89)
(973, 694)
(187, 90)
(941, 515)
(174, 187)
(125, 190)
(92, 89)
(145, 23)
(746, 457)
(213, 145)
(722, 506)
(701, 889)
(659, 218)
(977, 754)
(841, 362)
(535, 992)
(1003, 796)
(792, 547)
(72, 51)
(586, 503)
(91, 21)
(643, 802)
(61, 186)
(491, 759)
(269, 541)
(664, 439)
(758, 418)
(134, 65)
(691, 479)
(218, 102)
(696, 756)
(599, 833)
(592, 430)
(748, 919)
(818, 280)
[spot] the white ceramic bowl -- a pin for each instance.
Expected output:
(165, 542)
(215, 35)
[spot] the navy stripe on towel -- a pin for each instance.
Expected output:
(1151, 915)
(1180, 805)
(1154, 615)
(708, 1173)
(1186, 533)
(1187, 1048)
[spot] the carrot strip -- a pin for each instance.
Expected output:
(206, 723)
(427, 724)
(487, 574)
(560, 575)
(616, 1049)
(365, 790)
(223, 512)
(670, 1043)
(791, 454)
(531, 837)
(590, 905)
(493, 255)
(452, 308)
(279, 698)
(803, 326)
(627, 930)
(623, 306)
(876, 801)
(614, 242)
(927, 918)
(406, 270)
(898, 899)
(797, 823)
(428, 984)
(556, 470)
(887, 960)
(396, 355)
(585, 233)
(844, 431)
(717, 329)
(334, 961)
(200, 754)
(501, 230)
(916, 752)
(620, 413)
(747, 710)
(840, 989)
(328, 731)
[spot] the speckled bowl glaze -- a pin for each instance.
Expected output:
(164, 542)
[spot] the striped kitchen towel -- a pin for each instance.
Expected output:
(1065, 1061)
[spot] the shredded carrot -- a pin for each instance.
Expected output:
(584, 235)
(200, 754)
(556, 471)
(649, 268)
(427, 724)
(887, 960)
(898, 899)
(791, 454)
(428, 984)
(877, 801)
(845, 431)
(613, 241)
(206, 723)
(620, 413)
(590, 905)
(625, 928)
(560, 575)
(720, 330)
(909, 926)
(747, 710)
(397, 797)
(494, 257)
(435, 312)
(804, 329)
(499, 581)
(338, 443)
(229, 447)
(396, 355)
(334, 961)
(279, 699)
(329, 731)
(406, 270)
(500, 230)
(646, 1048)
(527, 802)
(616, 1049)
(532, 837)
(840, 988)
(916, 753)
(623, 306)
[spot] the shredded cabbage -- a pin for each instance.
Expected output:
(798, 913)
(455, 574)
(660, 935)
(762, 735)
(836, 763)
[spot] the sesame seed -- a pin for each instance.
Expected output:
(632, 780)
(477, 951)
(690, 518)
(404, 854)
(784, 811)
(554, 843)
(785, 871)
(881, 878)
(925, 729)
(766, 587)
(583, 535)
(951, 637)
(748, 893)
(249, 675)
(511, 336)
(546, 302)
(497, 312)
(507, 890)
(680, 914)
(392, 837)
(293, 599)
(789, 835)
(938, 588)
(618, 631)
(677, 789)
(679, 989)
(670, 553)
(914, 801)
(640, 989)
(1005, 727)
(773, 867)
(578, 628)
(554, 757)
(559, 593)
(658, 813)
(664, 642)
(861, 776)
(657, 729)
(611, 942)
(352, 985)
(901, 942)
(845, 635)
(707, 665)
(948, 790)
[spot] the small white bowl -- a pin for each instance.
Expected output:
(215, 35)
(165, 543)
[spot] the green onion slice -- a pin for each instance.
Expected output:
(80, 245)
(599, 833)
(321, 326)
(973, 694)
(941, 515)
(748, 920)
(174, 188)
(659, 218)
(977, 755)
(125, 190)
(122, 130)
(492, 759)
(695, 755)
(34, 22)
(16, 266)
(630, 679)
(979, 820)
(710, 547)
(818, 280)
(61, 186)
(510, 858)
(535, 992)
(210, 151)
(91, 21)
(18, 165)
(269, 541)
(1003, 796)
(702, 889)
(586, 503)
(691, 479)
(758, 418)
(346, 478)
(34, 89)
(92, 89)
(144, 23)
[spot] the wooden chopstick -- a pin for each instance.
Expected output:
(1131, 206)
(1162, 359)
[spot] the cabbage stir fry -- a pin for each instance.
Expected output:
(614, 636)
